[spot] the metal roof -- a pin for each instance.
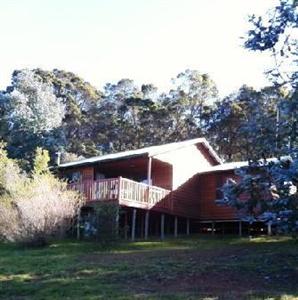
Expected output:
(149, 151)
(237, 164)
(225, 167)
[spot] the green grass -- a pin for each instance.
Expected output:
(199, 267)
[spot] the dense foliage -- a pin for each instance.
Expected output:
(34, 207)
(266, 191)
(60, 112)
(276, 32)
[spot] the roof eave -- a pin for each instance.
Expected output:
(88, 163)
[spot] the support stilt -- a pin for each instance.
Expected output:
(187, 226)
(213, 228)
(142, 227)
(162, 226)
(78, 226)
(240, 228)
(133, 227)
(269, 229)
(146, 224)
(117, 222)
(176, 226)
(125, 226)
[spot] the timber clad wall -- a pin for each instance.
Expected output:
(192, 194)
(162, 176)
(208, 185)
(87, 173)
(185, 199)
(186, 162)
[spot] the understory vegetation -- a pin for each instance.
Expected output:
(34, 207)
(199, 267)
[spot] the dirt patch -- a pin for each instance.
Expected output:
(216, 271)
(148, 254)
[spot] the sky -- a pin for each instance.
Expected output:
(149, 41)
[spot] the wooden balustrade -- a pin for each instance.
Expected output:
(121, 189)
(102, 189)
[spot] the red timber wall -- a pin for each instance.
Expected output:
(186, 162)
(87, 173)
(162, 175)
(208, 185)
(182, 201)
(185, 199)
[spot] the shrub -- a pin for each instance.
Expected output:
(101, 222)
(34, 208)
(107, 218)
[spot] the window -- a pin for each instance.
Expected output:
(76, 177)
(99, 176)
(219, 184)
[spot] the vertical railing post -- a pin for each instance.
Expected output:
(149, 171)
(149, 196)
(93, 190)
(119, 189)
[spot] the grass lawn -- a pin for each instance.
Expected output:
(199, 267)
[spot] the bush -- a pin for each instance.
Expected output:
(101, 222)
(107, 218)
(34, 208)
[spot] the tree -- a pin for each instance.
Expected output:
(277, 32)
(266, 191)
(32, 112)
(41, 161)
(188, 104)
(124, 113)
(81, 100)
(32, 104)
(248, 124)
(43, 94)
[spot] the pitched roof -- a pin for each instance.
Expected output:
(225, 167)
(236, 165)
(149, 151)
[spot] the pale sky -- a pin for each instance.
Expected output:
(150, 41)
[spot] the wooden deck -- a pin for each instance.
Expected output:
(127, 192)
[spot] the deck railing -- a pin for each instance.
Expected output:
(102, 189)
(121, 189)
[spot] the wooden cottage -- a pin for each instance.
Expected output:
(164, 189)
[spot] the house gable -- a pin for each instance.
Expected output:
(184, 158)
(187, 161)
